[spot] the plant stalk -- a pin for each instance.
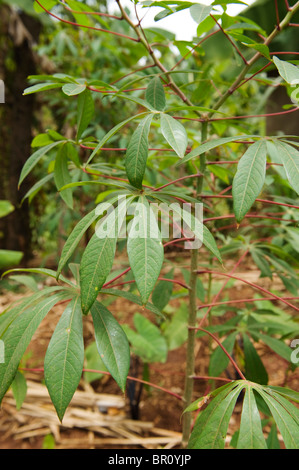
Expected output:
(190, 359)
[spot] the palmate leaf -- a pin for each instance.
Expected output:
(145, 249)
(287, 425)
(18, 336)
(249, 179)
(65, 357)
(112, 343)
(137, 152)
(211, 426)
(97, 259)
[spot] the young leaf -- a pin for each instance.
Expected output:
(145, 249)
(18, 336)
(155, 95)
(251, 433)
(249, 179)
(97, 259)
(175, 134)
(62, 176)
(72, 89)
(85, 111)
(112, 343)
(200, 12)
(289, 72)
(290, 159)
(64, 357)
(137, 152)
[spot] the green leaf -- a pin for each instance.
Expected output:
(147, 342)
(62, 176)
(85, 111)
(18, 336)
(41, 87)
(285, 422)
(175, 134)
(35, 158)
(155, 94)
(137, 152)
(5, 208)
(251, 433)
(112, 343)
(200, 231)
(72, 89)
(211, 427)
(219, 360)
(97, 259)
(43, 271)
(19, 389)
(74, 238)
(275, 344)
(200, 12)
(64, 357)
(203, 148)
(48, 4)
(249, 179)
(162, 293)
(286, 392)
(16, 309)
(272, 439)
(133, 298)
(145, 249)
(290, 159)
(111, 133)
(254, 367)
(289, 72)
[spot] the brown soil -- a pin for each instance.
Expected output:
(159, 412)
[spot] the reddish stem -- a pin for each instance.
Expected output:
(225, 351)
(84, 26)
(251, 284)
(104, 372)
(239, 301)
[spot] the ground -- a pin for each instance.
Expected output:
(86, 425)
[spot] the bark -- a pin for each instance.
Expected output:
(18, 34)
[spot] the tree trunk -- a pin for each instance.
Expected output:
(18, 33)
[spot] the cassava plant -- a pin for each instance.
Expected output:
(194, 141)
